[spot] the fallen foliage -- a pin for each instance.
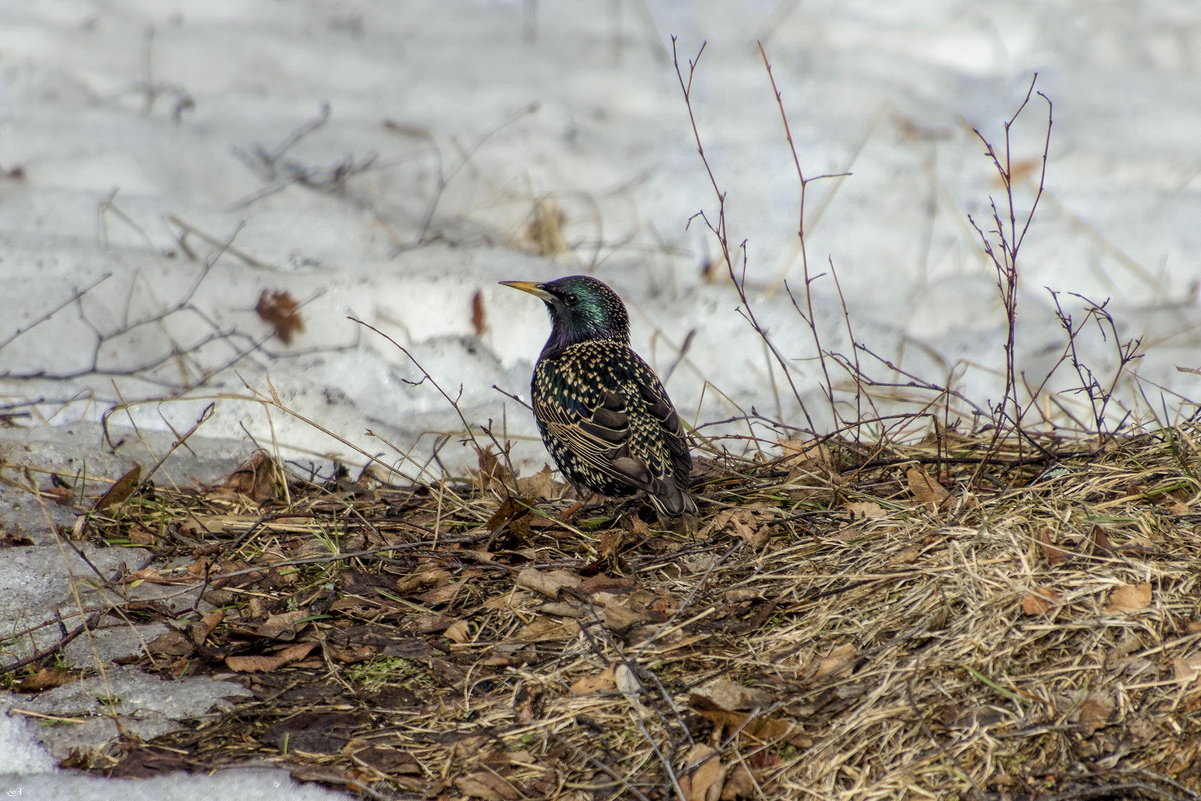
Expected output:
(909, 626)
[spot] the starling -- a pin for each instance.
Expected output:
(602, 411)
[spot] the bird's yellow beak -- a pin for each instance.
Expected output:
(533, 287)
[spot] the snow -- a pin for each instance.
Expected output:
(246, 784)
(131, 130)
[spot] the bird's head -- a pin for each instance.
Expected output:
(581, 308)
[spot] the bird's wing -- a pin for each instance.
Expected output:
(662, 410)
(594, 424)
(595, 428)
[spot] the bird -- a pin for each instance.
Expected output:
(603, 413)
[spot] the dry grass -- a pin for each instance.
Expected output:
(831, 628)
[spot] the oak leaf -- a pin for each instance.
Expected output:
(121, 489)
(596, 682)
(1039, 600)
(1051, 552)
(1129, 598)
(924, 488)
(280, 310)
(837, 663)
(701, 779)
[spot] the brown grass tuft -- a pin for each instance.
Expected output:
(908, 627)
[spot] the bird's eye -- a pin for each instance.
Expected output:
(571, 300)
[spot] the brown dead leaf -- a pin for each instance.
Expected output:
(1187, 670)
(924, 488)
(458, 632)
(422, 577)
(1129, 598)
(595, 683)
(1039, 600)
(747, 724)
(621, 612)
(284, 626)
(256, 478)
(253, 664)
(441, 595)
(865, 510)
(527, 703)
(294, 653)
(479, 322)
(773, 729)
(486, 785)
(540, 486)
(280, 310)
(381, 757)
(837, 663)
(513, 513)
(257, 606)
(548, 583)
(46, 679)
(740, 783)
(263, 664)
(149, 575)
(1094, 712)
(728, 694)
(1100, 542)
(742, 523)
(121, 489)
(546, 630)
(60, 491)
(492, 473)
(201, 629)
(701, 777)
(609, 545)
(140, 535)
(602, 582)
(1123, 650)
(1052, 553)
(172, 643)
(432, 624)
